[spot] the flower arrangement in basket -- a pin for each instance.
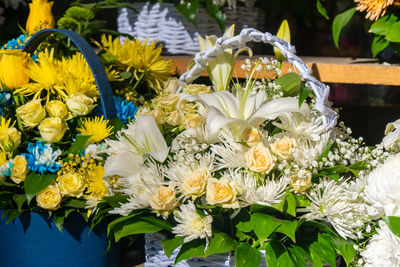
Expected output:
(259, 174)
(57, 108)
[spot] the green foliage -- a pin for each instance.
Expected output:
(290, 83)
(80, 143)
(247, 256)
(169, 245)
(221, 243)
(216, 13)
(194, 248)
(189, 10)
(393, 223)
(276, 254)
(321, 9)
(305, 91)
(34, 183)
(339, 22)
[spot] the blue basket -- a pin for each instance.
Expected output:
(33, 240)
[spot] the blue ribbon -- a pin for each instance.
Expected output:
(100, 76)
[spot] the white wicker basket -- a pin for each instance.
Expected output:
(162, 22)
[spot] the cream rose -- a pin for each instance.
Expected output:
(195, 184)
(252, 136)
(10, 138)
(71, 184)
(164, 198)
(32, 113)
(223, 192)
(52, 129)
(171, 85)
(259, 159)
(284, 147)
(194, 121)
(49, 198)
(19, 170)
(57, 109)
(196, 89)
(80, 104)
(169, 102)
(175, 118)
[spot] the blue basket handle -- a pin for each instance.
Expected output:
(100, 76)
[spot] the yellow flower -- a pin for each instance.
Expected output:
(71, 184)
(197, 89)
(49, 198)
(375, 8)
(19, 170)
(95, 183)
(259, 159)
(252, 136)
(284, 147)
(80, 104)
(40, 16)
(164, 198)
(96, 128)
(193, 121)
(13, 68)
(10, 138)
(223, 192)
(301, 181)
(141, 59)
(194, 185)
(32, 113)
(52, 129)
(57, 109)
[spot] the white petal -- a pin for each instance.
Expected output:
(216, 120)
(123, 164)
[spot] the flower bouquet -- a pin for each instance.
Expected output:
(253, 172)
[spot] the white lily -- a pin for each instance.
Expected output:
(392, 133)
(241, 111)
(142, 139)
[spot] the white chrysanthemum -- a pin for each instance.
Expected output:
(332, 202)
(198, 136)
(383, 187)
(383, 249)
(267, 194)
(191, 225)
(231, 154)
(191, 177)
(96, 150)
(306, 151)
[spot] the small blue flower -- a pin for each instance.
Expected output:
(42, 158)
(5, 100)
(17, 43)
(6, 169)
(126, 110)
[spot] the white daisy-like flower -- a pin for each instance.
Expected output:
(191, 225)
(332, 201)
(96, 150)
(383, 249)
(199, 136)
(191, 177)
(253, 193)
(231, 153)
(306, 151)
(383, 187)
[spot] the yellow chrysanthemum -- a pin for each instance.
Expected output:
(140, 58)
(3, 156)
(46, 75)
(375, 8)
(5, 124)
(95, 184)
(97, 128)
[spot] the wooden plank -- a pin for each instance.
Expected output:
(326, 69)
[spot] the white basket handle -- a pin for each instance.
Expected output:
(239, 41)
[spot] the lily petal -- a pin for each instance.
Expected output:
(123, 164)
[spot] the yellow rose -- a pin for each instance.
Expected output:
(223, 192)
(252, 136)
(169, 102)
(171, 85)
(284, 147)
(301, 181)
(194, 121)
(57, 109)
(175, 118)
(10, 138)
(71, 184)
(40, 16)
(12, 68)
(80, 104)
(164, 199)
(159, 115)
(259, 159)
(19, 170)
(32, 113)
(52, 129)
(49, 198)
(195, 184)
(196, 89)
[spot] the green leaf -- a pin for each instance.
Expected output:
(298, 256)
(157, 222)
(135, 226)
(383, 25)
(75, 203)
(19, 200)
(80, 143)
(305, 91)
(221, 243)
(216, 12)
(321, 9)
(247, 256)
(116, 200)
(288, 228)
(264, 225)
(326, 151)
(291, 204)
(11, 214)
(277, 255)
(339, 22)
(393, 223)
(323, 250)
(194, 248)
(189, 10)
(302, 201)
(121, 220)
(34, 183)
(345, 248)
(3, 183)
(245, 226)
(290, 83)
(378, 44)
(394, 33)
(117, 124)
(169, 245)
(284, 34)
(125, 75)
